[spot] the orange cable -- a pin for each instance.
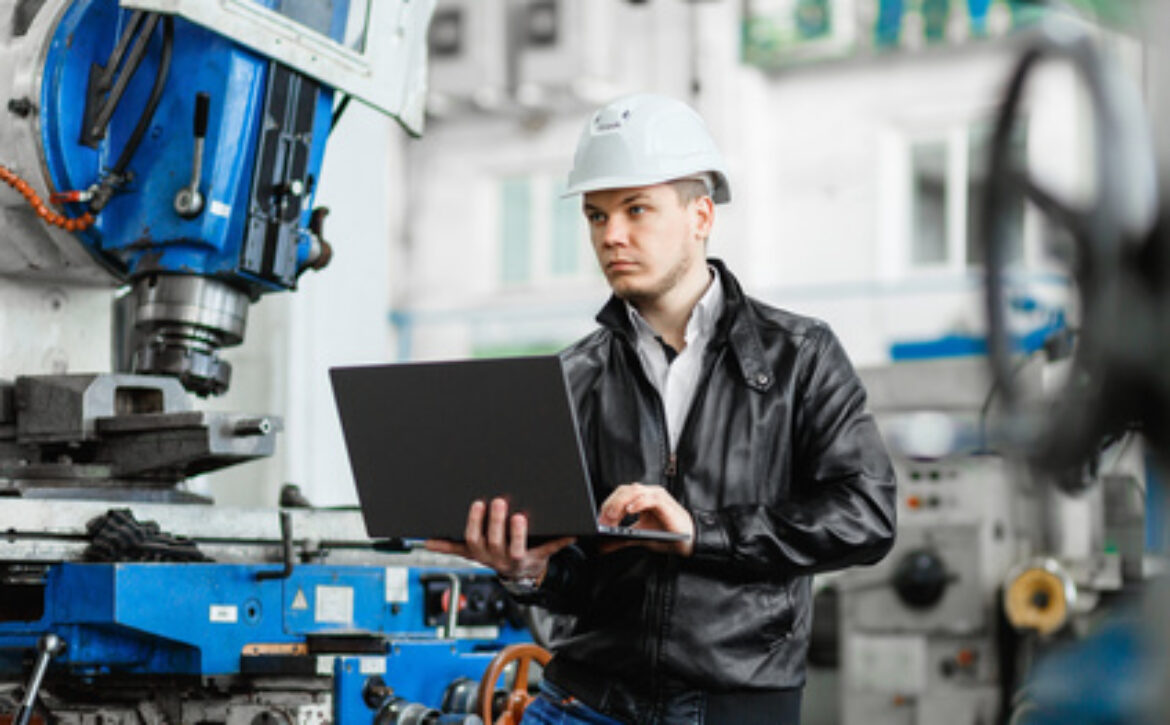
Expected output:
(10, 177)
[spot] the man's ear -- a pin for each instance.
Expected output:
(702, 216)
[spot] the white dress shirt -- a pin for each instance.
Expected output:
(676, 379)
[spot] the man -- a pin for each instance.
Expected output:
(704, 412)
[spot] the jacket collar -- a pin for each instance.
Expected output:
(736, 327)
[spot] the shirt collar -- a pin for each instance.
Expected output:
(704, 315)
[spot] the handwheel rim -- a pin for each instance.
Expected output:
(518, 697)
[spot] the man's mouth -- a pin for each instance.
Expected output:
(619, 265)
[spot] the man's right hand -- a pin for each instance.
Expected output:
(502, 544)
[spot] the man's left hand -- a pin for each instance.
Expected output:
(656, 510)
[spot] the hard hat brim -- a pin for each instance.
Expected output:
(720, 194)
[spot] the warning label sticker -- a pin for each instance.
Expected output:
(300, 601)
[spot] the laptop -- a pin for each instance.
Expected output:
(427, 439)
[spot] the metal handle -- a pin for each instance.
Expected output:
(189, 202)
(286, 547)
(202, 111)
(48, 646)
(455, 593)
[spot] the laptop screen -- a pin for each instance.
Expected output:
(426, 439)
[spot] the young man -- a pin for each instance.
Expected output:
(703, 412)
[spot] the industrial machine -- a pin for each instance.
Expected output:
(993, 566)
(172, 148)
(1027, 585)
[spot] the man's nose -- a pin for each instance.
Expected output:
(615, 232)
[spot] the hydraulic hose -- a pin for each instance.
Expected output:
(160, 81)
(10, 177)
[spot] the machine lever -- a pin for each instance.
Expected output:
(189, 202)
(456, 593)
(48, 646)
(286, 549)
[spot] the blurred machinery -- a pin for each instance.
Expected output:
(1030, 592)
(992, 566)
(172, 148)
(1117, 383)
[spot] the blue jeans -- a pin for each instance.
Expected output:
(553, 706)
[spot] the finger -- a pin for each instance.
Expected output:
(497, 518)
(518, 541)
(613, 508)
(549, 548)
(639, 503)
(473, 532)
(444, 546)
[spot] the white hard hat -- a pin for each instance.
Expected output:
(642, 140)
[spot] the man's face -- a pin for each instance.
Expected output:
(645, 239)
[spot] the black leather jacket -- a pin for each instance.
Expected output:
(785, 475)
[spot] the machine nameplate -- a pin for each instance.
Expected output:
(334, 605)
(397, 580)
(224, 613)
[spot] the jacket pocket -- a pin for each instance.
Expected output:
(773, 607)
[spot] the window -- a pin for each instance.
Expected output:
(516, 230)
(543, 237)
(567, 234)
(947, 192)
(929, 197)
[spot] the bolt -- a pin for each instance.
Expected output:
(252, 427)
(20, 107)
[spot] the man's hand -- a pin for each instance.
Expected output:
(656, 510)
(503, 546)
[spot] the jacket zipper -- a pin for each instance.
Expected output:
(661, 581)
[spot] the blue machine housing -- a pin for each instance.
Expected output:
(139, 232)
(200, 620)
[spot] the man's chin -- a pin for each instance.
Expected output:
(636, 296)
(625, 288)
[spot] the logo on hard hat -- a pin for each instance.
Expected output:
(611, 125)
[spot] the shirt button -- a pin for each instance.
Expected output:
(762, 379)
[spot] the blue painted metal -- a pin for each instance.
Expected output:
(960, 345)
(138, 232)
(953, 345)
(1156, 539)
(416, 671)
(197, 619)
(1113, 676)
(348, 683)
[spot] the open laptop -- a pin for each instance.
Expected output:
(427, 439)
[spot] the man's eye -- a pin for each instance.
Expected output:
(637, 209)
(595, 217)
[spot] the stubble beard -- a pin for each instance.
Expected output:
(642, 296)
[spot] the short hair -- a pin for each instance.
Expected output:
(689, 189)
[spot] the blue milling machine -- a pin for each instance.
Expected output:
(173, 148)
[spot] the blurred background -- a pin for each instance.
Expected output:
(966, 191)
(858, 135)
